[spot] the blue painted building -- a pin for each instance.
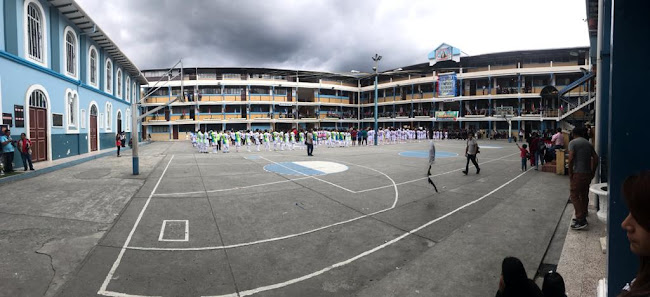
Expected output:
(63, 82)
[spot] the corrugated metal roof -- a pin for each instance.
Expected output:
(73, 12)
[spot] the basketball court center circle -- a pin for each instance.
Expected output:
(306, 168)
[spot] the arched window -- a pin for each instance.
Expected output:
(127, 92)
(70, 52)
(38, 99)
(127, 121)
(134, 90)
(93, 110)
(35, 32)
(109, 76)
(119, 83)
(109, 111)
(93, 65)
(72, 104)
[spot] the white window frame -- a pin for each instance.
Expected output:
(89, 70)
(127, 120)
(108, 85)
(109, 117)
(127, 89)
(44, 35)
(71, 126)
(118, 83)
(100, 120)
(74, 74)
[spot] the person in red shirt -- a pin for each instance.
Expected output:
(25, 149)
(523, 149)
(354, 136)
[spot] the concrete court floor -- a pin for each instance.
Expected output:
(376, 229)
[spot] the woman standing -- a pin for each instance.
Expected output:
(118, 142)
(25, 149)
(636, 191)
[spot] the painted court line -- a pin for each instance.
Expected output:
(232, 189)
(310, 176)
(439, 174)
(394, 185)
(164, 225)
(102, 290)
(368, 252)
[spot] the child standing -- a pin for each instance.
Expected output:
(524, 155)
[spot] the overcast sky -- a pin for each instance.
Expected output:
(335, 35)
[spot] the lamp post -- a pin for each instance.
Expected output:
(376, 58)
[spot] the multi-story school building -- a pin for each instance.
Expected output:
(536, 89)
(63, 82)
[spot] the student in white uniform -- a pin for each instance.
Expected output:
(301, 140)
(267, 141)
(215, 140)
(225, 139)
(248, 136)
(293, 140)
(256, 138)
(286, 140)
(199, 141)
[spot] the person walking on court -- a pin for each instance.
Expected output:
(25, 149)
(432, 159)
(583, 162)
(470, 152)
(309, 141)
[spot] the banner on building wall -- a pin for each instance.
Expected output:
(19, 115)
(446, 115)
(447, 85)
(7, 119)
(443, 53)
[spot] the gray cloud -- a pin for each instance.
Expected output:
(336, 36)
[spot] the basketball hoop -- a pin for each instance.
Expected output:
(507, 113)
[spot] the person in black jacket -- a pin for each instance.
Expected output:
(515, 282)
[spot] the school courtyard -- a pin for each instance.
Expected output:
(357, 221)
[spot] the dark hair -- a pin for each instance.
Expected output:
(524, 145)
(553, 285)
(579, 131)
(513, 272)
(559, 130)
(21, 134)
(636, 192)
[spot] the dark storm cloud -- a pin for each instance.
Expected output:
(336, 36)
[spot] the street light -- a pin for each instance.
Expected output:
(376, 59)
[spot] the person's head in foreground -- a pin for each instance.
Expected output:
(553, 285)
(636, 192)
(514, 280)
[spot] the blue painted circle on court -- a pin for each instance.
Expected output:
(425, 154)
(306, 168)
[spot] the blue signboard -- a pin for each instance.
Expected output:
(447, 85)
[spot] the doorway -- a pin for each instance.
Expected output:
(93, 128)
(38, 125)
